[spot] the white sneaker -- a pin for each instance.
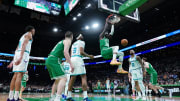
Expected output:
(57, 99)
(144, 98)
(52, 99)
(137, 98)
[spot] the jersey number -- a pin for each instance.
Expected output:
(133, 65)
(74, 50)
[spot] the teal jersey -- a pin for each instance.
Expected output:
(67, 68)
(134, 63)
(24, 78)
(58, 50)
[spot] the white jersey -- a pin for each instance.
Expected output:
(107, 82)
(28, 46)
(67, 68)
(75, 51)
(134, 63)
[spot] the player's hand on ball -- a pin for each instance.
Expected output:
(91, 56)
(10, 65)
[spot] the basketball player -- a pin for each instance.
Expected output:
(53, 63)
(111, 52)
(77, 53)
(23, 83)
(152, 72)
(136, 71)
(20, 62)
(98, 85)
(67, 70)
(108, 85)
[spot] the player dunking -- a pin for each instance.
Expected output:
(53, 63)
(152, 72)
(77, 53)
(23, 83)
(110, 52)
(136, 71)
(20, 62)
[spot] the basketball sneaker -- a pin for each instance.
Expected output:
(115, 62)
(10, 100)
(122, 71)
(86, 99)
(70, 99)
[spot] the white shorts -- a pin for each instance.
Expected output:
(137, 74)
(22, 67)
(79, 67)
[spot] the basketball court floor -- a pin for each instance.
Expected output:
(93, 97)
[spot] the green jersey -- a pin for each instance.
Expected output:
(112, 85)
(58, 50)
(149, 68)
(104, 43)
(99, 84)
(24, 78)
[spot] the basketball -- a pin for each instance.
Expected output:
(124, 42)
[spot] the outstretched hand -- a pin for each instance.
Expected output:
(91, 56)
(10, 65)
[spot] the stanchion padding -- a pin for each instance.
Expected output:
(129, 6)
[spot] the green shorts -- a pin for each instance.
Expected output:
(54, 67)
(106, 51)
(23, 84)
(99, 88)
(153, 79)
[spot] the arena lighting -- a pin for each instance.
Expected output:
(124, 49)
(55, 29)
(95, 25)
(125, 57)
(87, 27)
(79, 14)
(88, 5)
(74, 18)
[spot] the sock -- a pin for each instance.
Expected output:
(85, 94)
(139, 94)
(58, 97)
(53, 95)
(11, 93)
(114, 56)
(133, 93)
(16, 95)
(69, 94)
(66, 89)
(115, 49)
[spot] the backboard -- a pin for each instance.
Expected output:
(112, 6)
